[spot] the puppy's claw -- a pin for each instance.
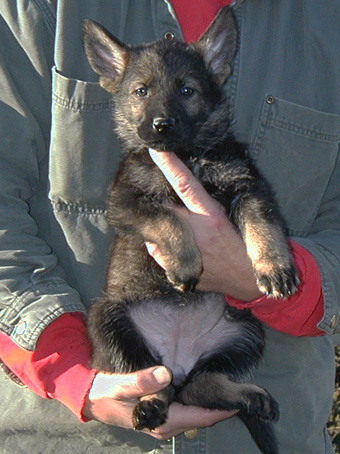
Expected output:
(280, 283)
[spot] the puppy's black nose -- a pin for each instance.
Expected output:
(163, 125)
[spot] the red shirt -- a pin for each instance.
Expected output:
(195, 16)
(59, 367)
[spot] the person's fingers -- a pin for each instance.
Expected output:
(182, 418)
(187, 187)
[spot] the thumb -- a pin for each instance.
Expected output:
(143, 382)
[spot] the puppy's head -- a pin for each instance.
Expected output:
(163, 90)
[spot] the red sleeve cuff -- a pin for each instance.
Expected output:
(300, 314)
(59, 367)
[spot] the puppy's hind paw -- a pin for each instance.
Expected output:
(149, 414)
(263, 406)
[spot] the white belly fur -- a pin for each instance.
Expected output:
(181, 334)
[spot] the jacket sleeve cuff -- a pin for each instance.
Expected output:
(300, 314)
(59, 367)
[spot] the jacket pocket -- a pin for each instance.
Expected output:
(296, 149)
(84, 154)
(84, 149)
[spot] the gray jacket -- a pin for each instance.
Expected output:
(58, 154)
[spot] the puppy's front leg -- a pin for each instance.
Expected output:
(153, 222)
(267, 248)
(177, 246)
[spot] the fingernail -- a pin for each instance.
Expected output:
(162, 375)
(154, 155)
(151, 247)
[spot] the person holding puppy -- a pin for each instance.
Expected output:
(58, 155)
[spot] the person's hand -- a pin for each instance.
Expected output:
(226, 266)
(112, 399)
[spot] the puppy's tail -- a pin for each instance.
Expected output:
(261, 431)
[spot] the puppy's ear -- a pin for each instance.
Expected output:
(218, 45)
(107, 56)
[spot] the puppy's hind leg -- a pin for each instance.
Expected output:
(116, 344)
(119, 348)
(216, 391)
(257, 407)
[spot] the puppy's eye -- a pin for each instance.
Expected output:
(140, 92)
(186, 91)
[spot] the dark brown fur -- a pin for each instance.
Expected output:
(168, 96)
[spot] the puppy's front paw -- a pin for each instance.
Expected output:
(182, 283)
(278, 281)
(184, 273)
(149, 414)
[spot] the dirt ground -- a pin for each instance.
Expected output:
(334, 419)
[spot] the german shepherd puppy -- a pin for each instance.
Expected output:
(168, 96)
